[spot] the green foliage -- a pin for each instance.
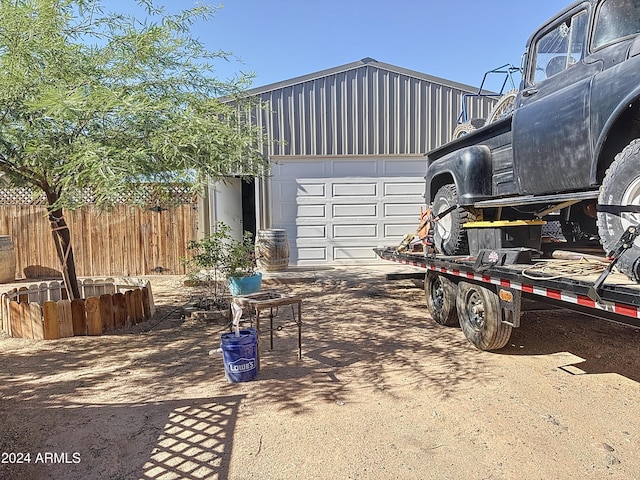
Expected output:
(223, 254)
(96, 100)
(216, 258)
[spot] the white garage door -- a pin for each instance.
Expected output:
(338, 210)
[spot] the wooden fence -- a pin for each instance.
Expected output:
(44, 312)
(124, 241)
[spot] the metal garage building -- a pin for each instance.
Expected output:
(348, 156)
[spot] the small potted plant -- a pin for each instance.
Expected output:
(240, 268)
(219, 256)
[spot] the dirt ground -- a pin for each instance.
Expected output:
(382, 392)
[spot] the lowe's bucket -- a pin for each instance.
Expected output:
(240, 355)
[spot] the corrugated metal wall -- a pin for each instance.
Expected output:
(365, 108)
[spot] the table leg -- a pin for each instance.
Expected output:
(299, 330)
(258, 335)
(271, 326)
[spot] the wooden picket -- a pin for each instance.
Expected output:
(115, 304)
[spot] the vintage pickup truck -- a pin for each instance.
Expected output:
(571, 144)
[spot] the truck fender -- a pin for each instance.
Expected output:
(471, 170)
(629, 100)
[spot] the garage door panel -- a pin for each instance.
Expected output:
(312, 211)
(355, 231)
(403, 189)
(399, 230)
(355, 190)
(358, 168)
(302, 169)
(311, 254)
(355, 211)
(401, 168)
(311, 231)
(401, 210)
(305, 189)
(353, 253)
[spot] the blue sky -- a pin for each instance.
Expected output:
(458, 40)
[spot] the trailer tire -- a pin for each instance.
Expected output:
(448, 235)
(621, 186)
(480, 317)
(441, 299)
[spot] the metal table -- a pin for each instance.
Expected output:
(258, 302)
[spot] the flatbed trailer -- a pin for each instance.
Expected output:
(486, 299)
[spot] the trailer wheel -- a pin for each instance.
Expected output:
(621, 186)
(441, 299)
(480, 317)
(449, 236)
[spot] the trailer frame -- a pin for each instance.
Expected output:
(619, 297)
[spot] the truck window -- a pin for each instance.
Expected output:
(560, 48)
(616, 19)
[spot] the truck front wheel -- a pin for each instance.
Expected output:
(441, 299)
(481, 317)
(621, 187)
(449, 236)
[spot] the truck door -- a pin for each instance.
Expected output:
(552, 151)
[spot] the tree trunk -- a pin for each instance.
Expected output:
(62, 239)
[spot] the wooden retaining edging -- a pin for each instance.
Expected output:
(44, 312)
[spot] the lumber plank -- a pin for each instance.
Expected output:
(94, 320)
(51, 324)
(64, 317)
(79, 316)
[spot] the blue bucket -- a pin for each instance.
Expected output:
(240, 355)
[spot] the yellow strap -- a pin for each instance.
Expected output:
(504, 223)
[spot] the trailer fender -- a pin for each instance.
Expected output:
(510, 305)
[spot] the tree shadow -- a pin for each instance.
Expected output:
(186, 439)
(127, 389)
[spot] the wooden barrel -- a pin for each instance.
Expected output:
(272, 250)
(7, 260)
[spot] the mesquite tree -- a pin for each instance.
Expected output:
(100, 102)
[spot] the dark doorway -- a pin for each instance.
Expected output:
(249, 206)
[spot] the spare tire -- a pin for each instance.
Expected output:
(448, 235)
(621, 187)
(463, 128)
(503, 107)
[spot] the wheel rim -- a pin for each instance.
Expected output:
(437, 294)
(443, 226)
(631, 197)
(475, 310)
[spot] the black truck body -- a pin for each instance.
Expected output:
(571, 144)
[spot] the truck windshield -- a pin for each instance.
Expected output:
(616, 19)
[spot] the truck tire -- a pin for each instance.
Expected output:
(480, 317)
(448, 235)
(441, 299)
(621, 186)
(463, 128)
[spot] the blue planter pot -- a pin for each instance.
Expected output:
(245, 285)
